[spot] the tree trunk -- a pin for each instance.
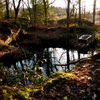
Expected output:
(1, 10)
(67, 35)
(79, 11)
(68, 13)
(48, 63)
(29, 10)
(34, 8)
(94, 11)
(16, 9)
(7, 9)
(34, 13)
(45, 11)
(78, 55)
(68, 60)
(84, 10)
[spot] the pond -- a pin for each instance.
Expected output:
(59, 57)
(57, 60)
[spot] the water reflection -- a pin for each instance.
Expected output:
(59, 57)
(57, 60)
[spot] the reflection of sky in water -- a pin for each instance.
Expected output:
(59, 55)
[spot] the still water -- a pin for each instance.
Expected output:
(59, 55)
(58, 58)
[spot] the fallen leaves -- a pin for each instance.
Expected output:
(77, 84)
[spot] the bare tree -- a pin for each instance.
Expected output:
(68, 13)
(34, 8)
(84, 10)
(46, 6)
(27, 4)
(16, 8)
(29, 9)
(67, 35)
(94, 11)
(79, 10)
(1, 9)
(45, 2)
(7, 9)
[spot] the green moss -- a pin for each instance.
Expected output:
(24, 95)
(58, 78)
(64, 75)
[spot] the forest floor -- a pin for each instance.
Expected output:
(81, 83)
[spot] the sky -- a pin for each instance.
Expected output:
(88, 3)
